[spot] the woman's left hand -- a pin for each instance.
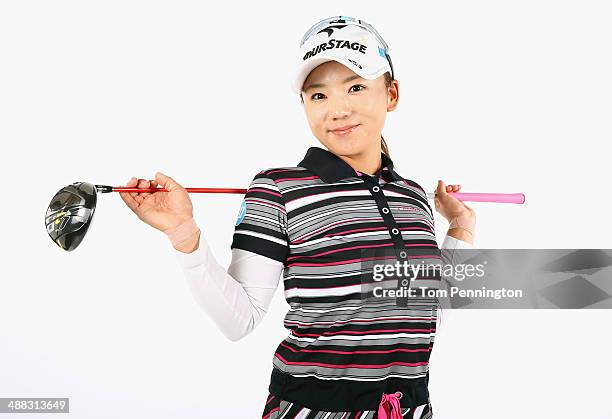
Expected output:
(449, 206)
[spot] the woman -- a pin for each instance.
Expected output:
(318, 223)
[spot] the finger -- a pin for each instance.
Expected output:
(441, 192)
(441, 189)
(138, 195)
(152, 185)
(144, 184)
(128, 198)
(132, 183)
(167, 182)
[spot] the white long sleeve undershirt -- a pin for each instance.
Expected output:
(237, 299)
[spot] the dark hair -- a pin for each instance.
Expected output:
(383, 143)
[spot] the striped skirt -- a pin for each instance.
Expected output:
(276, 408)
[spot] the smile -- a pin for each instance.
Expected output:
(345, 130)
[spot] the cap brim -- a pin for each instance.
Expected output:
(305, 70)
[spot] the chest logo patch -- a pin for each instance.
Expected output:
(409, 209)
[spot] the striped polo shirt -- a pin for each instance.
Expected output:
(325, 222)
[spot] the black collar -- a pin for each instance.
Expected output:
(331, 168)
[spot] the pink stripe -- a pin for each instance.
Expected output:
(421, 244)
(372, 366)
(362, 332)
(344, 232)
(426, 278)
(330, 226)
(329, 351)
(426, 256)
(341, 262)
(361, 320)
(298, 241)
(280, 171)
(357, 230)
(297, 178)
(322, 288)
(271, 411)
(341, 250)
(264, 191)
(429, 230)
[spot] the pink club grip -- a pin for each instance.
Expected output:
(506, 198)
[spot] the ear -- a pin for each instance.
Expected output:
(393, 96)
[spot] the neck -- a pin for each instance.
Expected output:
(368, 162)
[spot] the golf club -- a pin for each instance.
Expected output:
(71, 210)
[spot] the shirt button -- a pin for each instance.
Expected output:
(376, 189)
(385, 210)
(403, 254)
(395, 231)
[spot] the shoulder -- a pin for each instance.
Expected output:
(414, 186)
(278, 174)
(282, 177)
(272, 183)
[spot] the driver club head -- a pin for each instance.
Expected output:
(70, 213)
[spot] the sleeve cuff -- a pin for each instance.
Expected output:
(195, 258)
(452, 243)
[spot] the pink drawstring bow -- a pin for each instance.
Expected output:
(389, 407)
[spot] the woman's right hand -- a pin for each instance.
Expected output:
(161, 210)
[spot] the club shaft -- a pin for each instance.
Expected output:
(501, 198)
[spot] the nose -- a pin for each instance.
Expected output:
(339, 108)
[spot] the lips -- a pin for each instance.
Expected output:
(347, 129)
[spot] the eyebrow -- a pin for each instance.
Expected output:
(317, 85)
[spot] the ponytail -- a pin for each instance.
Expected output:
(384, 147)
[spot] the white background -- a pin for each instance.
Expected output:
(497, 96)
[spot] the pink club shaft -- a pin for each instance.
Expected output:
(500, 198)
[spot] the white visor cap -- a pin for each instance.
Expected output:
(348, 44)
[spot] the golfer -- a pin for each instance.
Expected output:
(318, 224)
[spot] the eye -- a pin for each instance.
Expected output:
(361, 87)
(315, 97)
